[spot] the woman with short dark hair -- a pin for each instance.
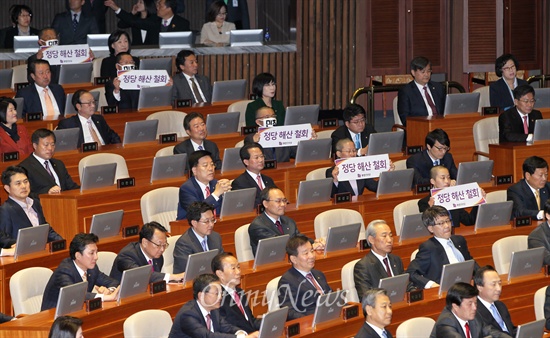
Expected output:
(216, 30)
(13, 137)
(501, 91)
(21, 18)
(264, 87)
(66, 327)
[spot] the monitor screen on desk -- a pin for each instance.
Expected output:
(175, 40)
(461, 103)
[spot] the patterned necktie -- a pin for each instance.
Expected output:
(50, 110)
(165, 23)
(209, 323)
(203, 244)
(85, 277)
(280, 227)
(384, 334)
(388, 270)
(200, 147)
(467, 327)
(75, 22)
(150, 262)
(498, 318)
(525, 125)
(436, 163)
(312, 280)
(430, 101)
(537, 198)
(259, 179)
(456, 252)
(93, 133)
(238, 301)
(357, 142)
(196, 90)
(47, 166)
(207, 191)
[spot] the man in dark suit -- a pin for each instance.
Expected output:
(301, 285)
(540, 237)
(346, 149)
(195, 126)
(440, 179)
(252, 155)
(531, 193)
(74, 25)
(355, 128)
(420, 97)
(234, 307)
(148, 251)
(188, 84)
(443, 248)
(97, 10)
(19, 210)
(116, 96)
(201, 317)
(517, 124)
(202, 186)
(41, 95)
(379, 263)
(279, 154)
(46, 37)
(377, 306)
(436, 153)
(93, 127)
(166, 21)
(199, 237)
(500, 94)
(46, 174)
(81, 266)
(490, 309)
(237, 12)
(273, 222)
(459, 316)
(5, 318)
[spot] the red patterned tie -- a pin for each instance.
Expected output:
(525, 126)
(312, 280)
(388, 271)
(259, 179)
(280, 227)
(430, 101)
(238, 301)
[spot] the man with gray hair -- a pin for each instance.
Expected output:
(379, 263)
(377, 306)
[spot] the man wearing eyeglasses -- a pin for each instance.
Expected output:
(443, 248)
(273, 222)
(148, 251)
(436, 153)
(93, 127)
(199, 237)
(355, 128)
(517, 124)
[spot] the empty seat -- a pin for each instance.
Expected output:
(105, 158)
(160, 205)
(27, 288)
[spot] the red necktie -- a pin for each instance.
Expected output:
(280, 227)
(388, 271)
(312, 280)
(525, 126)
(430, 101)
(467, 326)
(207, 189)
(150, 262)
(259, 179)
(238, 301)
(209, 323)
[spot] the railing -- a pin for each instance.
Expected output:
(371, 90)
(541, 79)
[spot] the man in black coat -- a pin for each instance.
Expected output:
(86, 120)
(540, 236)
(147, 251)
(377, 306)
(195, 126)
(436, 153)
(74, 25)
(234, 307)
(125, 100)
(420, 97)
(252, 155)
(490, 309)
(524, 193)
(517, 124)
(81, 266)
(46, 36)
(355, 128)
(46, 174)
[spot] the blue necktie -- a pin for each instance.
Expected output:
(498, 318)
(457, 253)
(357, 142)
(200, 147)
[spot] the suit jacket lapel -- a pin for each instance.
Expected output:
(440, 251)
(378, 266)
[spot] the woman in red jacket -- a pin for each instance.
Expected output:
(13, 137)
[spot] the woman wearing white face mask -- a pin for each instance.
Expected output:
(21, 18)
(264, 86)
(118, 42)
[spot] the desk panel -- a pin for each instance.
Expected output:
(509, 157)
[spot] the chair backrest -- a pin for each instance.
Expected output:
(96, 67)
(239, 144)
(168, 254)
(483, 97)
(242, 244)
(166, 151)
(324, 134)
(102, 98)
(27, 288)
(148, 323)
(337, 217)
(485, 132)
(316, 174)
(540, 298)
(503, 248)
(413, 254)
(170, 121)
(404, 208)
(415, 327)
(160, 205)
(239, 106)
(400, 165)
(348, 283)
(496, 196)
(104, 158)
(19, 75)
(272, 294)
(105, 261)
(396, 118)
